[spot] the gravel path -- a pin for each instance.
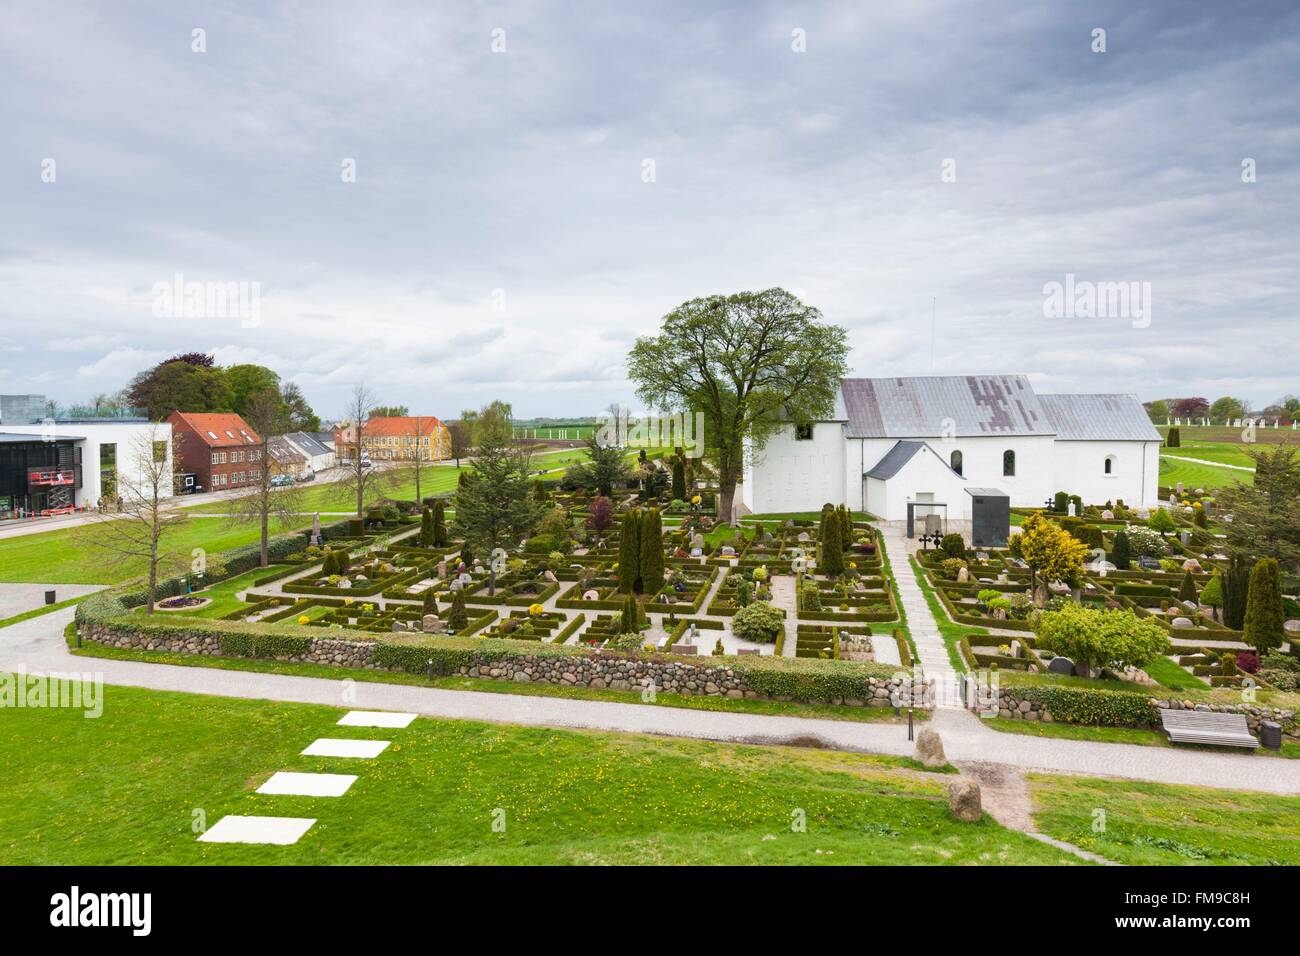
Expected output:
(37, 646)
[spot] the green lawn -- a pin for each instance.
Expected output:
(1195, 475)
(1114, 735)
(1167, 673)
(68, 556)
(223, 595)
(125, 789)
(1152, 824)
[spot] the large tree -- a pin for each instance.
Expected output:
(461, 440)
(1227, 408)
(492, 504)
(301, 416)
(357, 477)
(1052, 553)
(1266, 515)
(266, 413)
(750, 362)
(606, 464)
(137, 532)
(247, 381)
(181, 384)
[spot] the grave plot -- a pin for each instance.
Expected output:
(552, 627)
(990, 650)
(830, 642)
(379, 571)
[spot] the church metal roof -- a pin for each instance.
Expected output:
(957, 406)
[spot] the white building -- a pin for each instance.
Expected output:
(86, 457)
(928, 439)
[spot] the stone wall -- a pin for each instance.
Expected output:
(1011, 705)
(595, 670)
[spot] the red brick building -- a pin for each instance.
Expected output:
(218, 447)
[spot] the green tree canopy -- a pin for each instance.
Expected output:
(1100, 638)
(750, 362)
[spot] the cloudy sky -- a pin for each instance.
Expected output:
(518, 216)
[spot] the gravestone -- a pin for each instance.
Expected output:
(1015, 648)
(442, 569)
(1181, 622)
(1061, 665)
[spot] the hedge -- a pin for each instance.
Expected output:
(1082, 705)
(810, 679)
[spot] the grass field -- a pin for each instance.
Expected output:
(223, 595)
(1196, 475)
(1150, 824)
(68, 556)
(127, 787)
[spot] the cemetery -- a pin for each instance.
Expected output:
(806, 602)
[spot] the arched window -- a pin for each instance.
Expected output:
(1008, 464)
(954, 461)
(1110, 464)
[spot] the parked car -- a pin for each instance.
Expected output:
(279, 481)
(307, 476)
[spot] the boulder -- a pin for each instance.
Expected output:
(929, 749)
(1181, 622)
(963, 575)
(591, 595)
(1191, 564)
(1292, 626)
(964, 800)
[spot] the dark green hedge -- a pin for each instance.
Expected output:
(1081, 705)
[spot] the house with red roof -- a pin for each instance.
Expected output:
(220, 449)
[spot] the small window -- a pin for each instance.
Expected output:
(803, 432)
(1110, 464)
(1008, 464)
(954, 461)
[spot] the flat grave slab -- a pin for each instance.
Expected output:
(375, 718)
(308, 784)
(336, 747)
(278, 830)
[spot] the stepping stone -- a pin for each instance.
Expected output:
(278, 830)
(375, 718)
(308, 784)
(335, 747)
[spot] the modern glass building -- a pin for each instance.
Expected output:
(38, 475)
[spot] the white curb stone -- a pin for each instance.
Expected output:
(308, 784)
(279, 830)
(336, 747)
(375, 718)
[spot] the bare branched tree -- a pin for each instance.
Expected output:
(138, 531)
(269, 418)
(359, 476)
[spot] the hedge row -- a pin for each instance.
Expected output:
(1080, 705)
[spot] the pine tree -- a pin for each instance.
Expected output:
(832, 563)
(458, 620)
(846, 526)
(1187, 590)
(426, 528)
(679, 478)
(1122, 556)
(1236, 586)
(1264, 614)
(439, 524)
(430, 602)
(629, 553)
(329, 567)
(652, 552)
(827, 509)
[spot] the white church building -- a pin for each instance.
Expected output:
(939, 439)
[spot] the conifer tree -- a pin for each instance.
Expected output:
(652, 552)
(1264, 615)
(629, 553)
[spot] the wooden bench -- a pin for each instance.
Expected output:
(1205, 727)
